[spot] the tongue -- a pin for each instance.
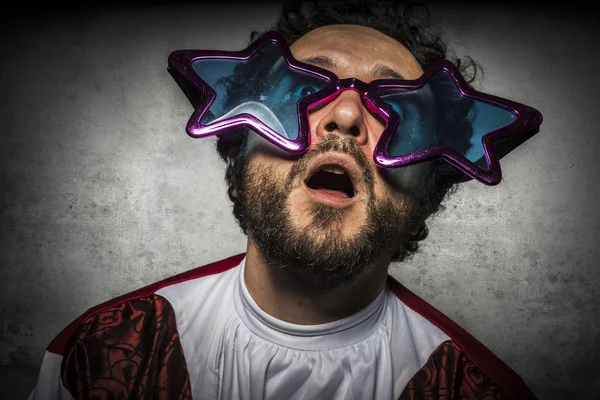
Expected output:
(331, 192)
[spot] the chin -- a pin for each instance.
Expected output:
(324, 221)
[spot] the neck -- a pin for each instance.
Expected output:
(282, 303)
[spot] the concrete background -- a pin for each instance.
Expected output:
(102, 192)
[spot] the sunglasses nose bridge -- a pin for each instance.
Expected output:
(352, 83)
(363, 90)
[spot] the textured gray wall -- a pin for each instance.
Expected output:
(102, 191)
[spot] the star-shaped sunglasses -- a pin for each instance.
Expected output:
(263, 87)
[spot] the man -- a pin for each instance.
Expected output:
(309, 312)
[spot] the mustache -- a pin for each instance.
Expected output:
(336, 143)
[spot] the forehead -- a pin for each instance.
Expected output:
(356, 51)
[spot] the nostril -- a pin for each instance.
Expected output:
(353, 130)
(330, 127)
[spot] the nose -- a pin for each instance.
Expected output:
(345, 115)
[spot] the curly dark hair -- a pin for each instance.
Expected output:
(402, 22)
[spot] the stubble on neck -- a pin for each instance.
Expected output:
(278, 298)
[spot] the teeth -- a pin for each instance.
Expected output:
(334, 170)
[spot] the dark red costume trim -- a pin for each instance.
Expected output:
(130, 351)
(449, 374)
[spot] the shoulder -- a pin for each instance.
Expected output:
(129, 346)
(128, 349)
(147, 298)
(459, 366)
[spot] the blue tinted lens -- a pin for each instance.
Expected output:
(438, 114)
(215, 73)
(264, 86)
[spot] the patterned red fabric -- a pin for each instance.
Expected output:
(131, 350)
(449, 374)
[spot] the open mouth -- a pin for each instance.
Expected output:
(333, 180)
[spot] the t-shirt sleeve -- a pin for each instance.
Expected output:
(449, 374)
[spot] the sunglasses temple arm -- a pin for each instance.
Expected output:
(529, 126)
(192, 95)
(506, 146)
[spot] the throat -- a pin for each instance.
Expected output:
(276, 291)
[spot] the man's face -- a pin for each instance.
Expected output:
(329, 206)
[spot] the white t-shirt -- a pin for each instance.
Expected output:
(229, 348)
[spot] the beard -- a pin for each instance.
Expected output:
(319, 258)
